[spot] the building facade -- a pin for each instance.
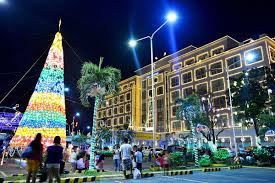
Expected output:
(203, 70)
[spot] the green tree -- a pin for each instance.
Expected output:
(250, 97)
(103, 135)
(97, 82)
(189, 109)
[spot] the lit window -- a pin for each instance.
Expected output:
(200, 73)
(222, 121)
(217, 85)
(216, 68)
(175, 95)
(176, 125)
(233, 62)
(187, 92)
(99, 115)
(127, 107)
(121, 98)
(202, 89)
(176, 66)
(217, 51)
(219, 102)
(202, 57)
(253, 56)
(187, 77)
(121, 109)
(160, 90)
(175, 81)
(128, 96)
(121, 120)
(190, 61)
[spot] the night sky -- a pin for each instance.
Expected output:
(102, 28)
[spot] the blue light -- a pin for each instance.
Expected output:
(171, 17)
(250, 57)
(77, 114)
(66, 89)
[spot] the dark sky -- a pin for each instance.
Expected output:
(102, 28)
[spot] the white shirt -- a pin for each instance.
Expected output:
(116, 154)
(125, 150)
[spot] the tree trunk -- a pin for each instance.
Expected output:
(213, 136)
(195, 149)
(93, 141)
(255, 124)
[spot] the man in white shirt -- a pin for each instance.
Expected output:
(126, 150)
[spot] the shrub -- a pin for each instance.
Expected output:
(262, 154)
(176, 159)
(106, 153)
(221, 155)
(205, 160)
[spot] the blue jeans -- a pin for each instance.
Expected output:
(117, 164)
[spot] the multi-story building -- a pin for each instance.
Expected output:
(203, 70)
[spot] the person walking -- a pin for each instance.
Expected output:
(116, 158)
(126, 150)
(34, 158)
(54, 159)
(150, 154)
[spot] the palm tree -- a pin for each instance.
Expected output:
(97, 82)
(189, 109)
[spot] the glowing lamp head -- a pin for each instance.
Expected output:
(77, 114)
(246, 73)
(2, 1)
(88, 127)
(66, 89)
(171, 17)
(250, 57)
(132, 43)
(269, 90)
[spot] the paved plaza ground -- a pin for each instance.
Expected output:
(245, 175)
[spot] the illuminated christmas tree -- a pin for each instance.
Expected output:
(45, 112)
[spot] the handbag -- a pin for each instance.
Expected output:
(27, 152)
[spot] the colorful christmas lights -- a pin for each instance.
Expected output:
(45, 112)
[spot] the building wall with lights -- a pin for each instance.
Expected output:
(200, 70)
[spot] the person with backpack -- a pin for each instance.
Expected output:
(34, 157)
(54, 159)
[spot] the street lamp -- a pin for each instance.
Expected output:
(171, 17)
(77, 114)
(66, 89)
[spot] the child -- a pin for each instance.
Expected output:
(87, 161)
(159, 160)
(166, 161)
(100, 162)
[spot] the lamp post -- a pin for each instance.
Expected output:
(77, 114)
(171, 17)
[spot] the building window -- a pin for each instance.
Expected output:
(149, 93)
(103, 104)
(128, 96)
(115, 121)
(175, 81)
(124, 87)
(222, 120)
(272, 54)
(120, 120)
(216, 68)
(109, 122)
(104, 114)
(175, 95)
(160, 90)
(143, 93)
(174, 110)
(144, 84)
(202, 56)
(187, 77)
(121, 98)
(128, 119)
(160, 78)
(160, 105)
(217, 85)
(187, 91)
(217, 51)
(200, 73)
(115, 110)
(190, 61)
(109, 112)
(234, 62)
(202, 89)
(176, 125)
(121, 109)
(177, 66)
(128, 108)
(110, 102)
(115, 100)
(219, 102)
(252, 56)
(99, 115)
